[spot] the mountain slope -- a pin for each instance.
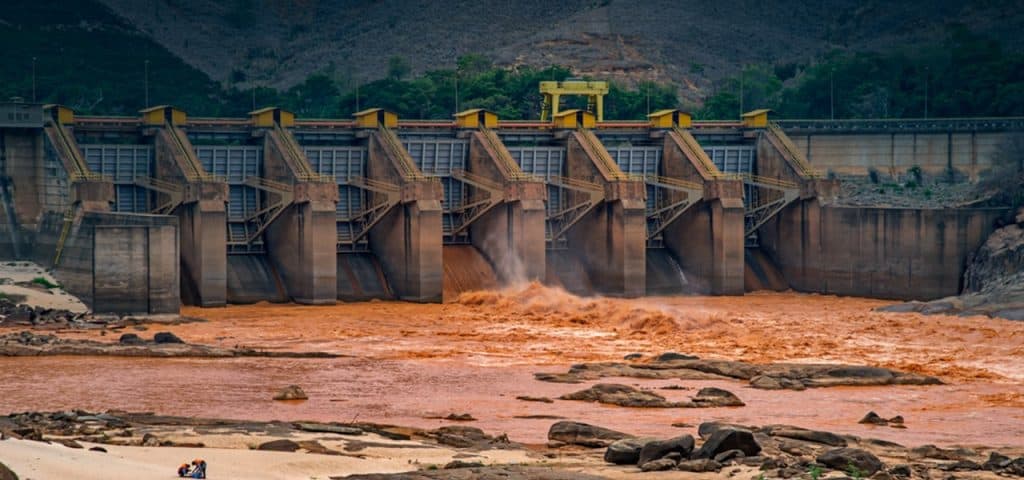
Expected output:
(278, 43)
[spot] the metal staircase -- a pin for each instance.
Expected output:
(789, 150)
(765, 197)
(585, 196)
(487, 195)
(385, 197)
(678, 196)
(605, 163)
(173, 192)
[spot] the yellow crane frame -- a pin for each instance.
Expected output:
(553, 91)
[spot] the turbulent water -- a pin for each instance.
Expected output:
(412, 363)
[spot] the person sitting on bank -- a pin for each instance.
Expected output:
(198, 468)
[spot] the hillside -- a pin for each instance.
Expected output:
(279, 43)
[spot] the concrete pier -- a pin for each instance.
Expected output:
(611, 239)
(708, 238)
(301, 239)
(408, 239)
(201, 214)
(511, 234)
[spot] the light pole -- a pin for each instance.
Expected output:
(926, 79)
(146, 80)
(832, 93)
(743, 76)
(33, 79)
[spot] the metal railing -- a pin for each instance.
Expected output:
(796, 157)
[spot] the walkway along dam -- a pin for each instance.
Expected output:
(142, 214)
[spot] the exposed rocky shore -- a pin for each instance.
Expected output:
(774, 376)
(575, 451)
(163, 344)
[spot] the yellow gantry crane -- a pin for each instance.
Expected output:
(553, 91)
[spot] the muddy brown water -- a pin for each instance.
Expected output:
(412, 362)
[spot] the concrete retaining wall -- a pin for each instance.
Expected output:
(894, 153)
(875, 252)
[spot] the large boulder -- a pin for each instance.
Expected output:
(814, 436)
(621, 395)
(716, 397)
(725, 439)
(843, 458)
(166, 337)
(625, 451)
(658, 449)
(582, 434)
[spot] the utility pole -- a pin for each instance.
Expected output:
(926, 79)
(743, 76)
(254, 96)
(357, 95)
(832, 93)
(146, 80)
(456, 89)
(33, 79)
(648, 98)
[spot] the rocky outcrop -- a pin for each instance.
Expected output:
(626, 396)
(765, 376)
(864, 462)
(582, 434)
(28, 344)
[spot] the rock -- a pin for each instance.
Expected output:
(727, 455)
(633, 356)
(898, 419)
(461, 464)
(725, 439)
(282, 445)
(98, 449)
(625, 451)
(814, 436)
(960, 466)
(67, 442)
(997, 461)
(150, 440)
(873, 418)
(1016, 467)
(706, 429)
(901, 470)
(764, 382)
(459, 436)
(461, 417)
(931, 451)
(671, 356)
(716, 397)
(582, 434)
(166, 337)
(621, 395)
(329, 428)
(842, 458)
(130, 339)
(7, 473)
(658, 449)
(291, 392)
(527, 398)
(699, 465)
(658, 465)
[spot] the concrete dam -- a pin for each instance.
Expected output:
(142, 214)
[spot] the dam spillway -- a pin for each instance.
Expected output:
(141, 214)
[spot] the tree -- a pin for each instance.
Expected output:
(398, 68)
